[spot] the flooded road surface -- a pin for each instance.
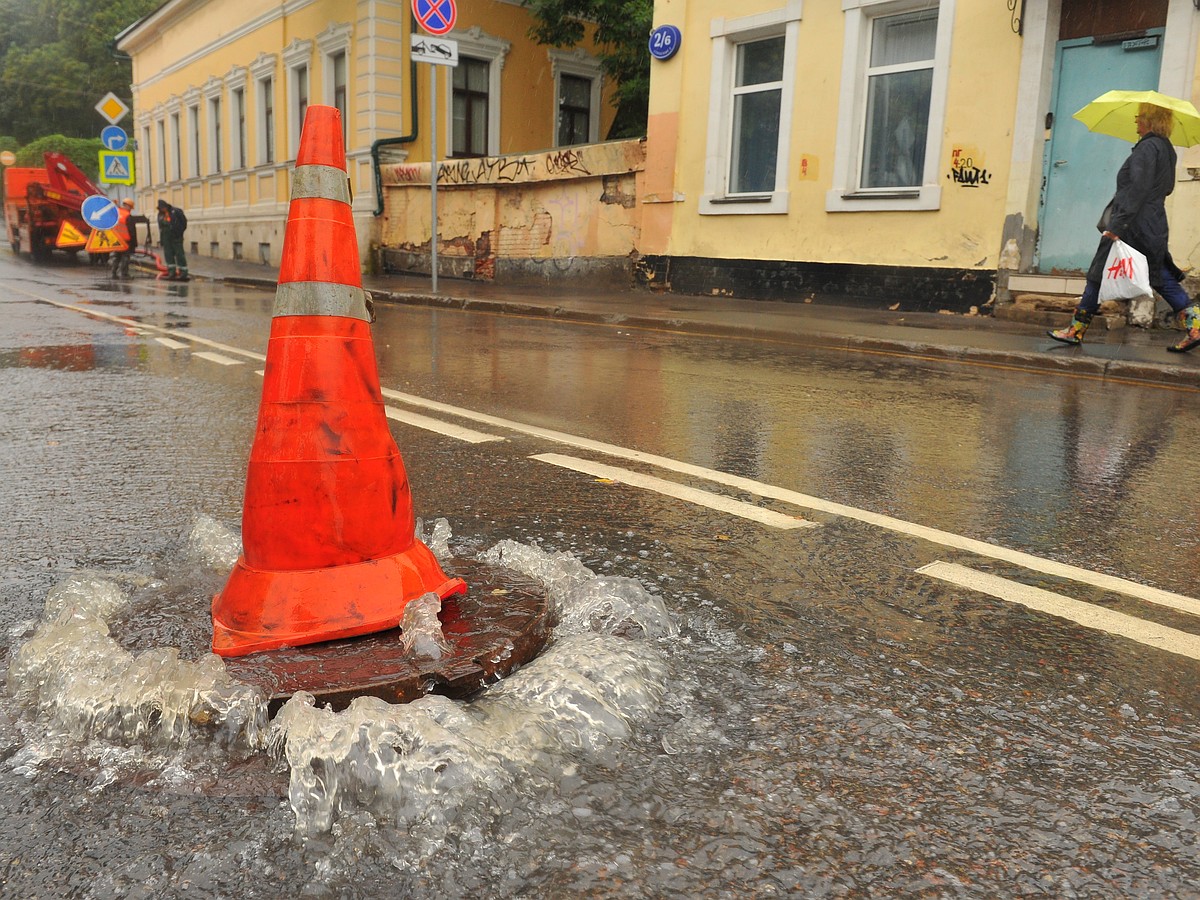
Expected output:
(730, 707)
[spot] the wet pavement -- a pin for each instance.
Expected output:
(798, 712)
(1122, 354)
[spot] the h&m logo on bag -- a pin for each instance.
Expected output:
(1122, 267)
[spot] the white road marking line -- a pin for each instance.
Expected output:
(173, 344)
(142, 326)
(1086, 614)
(678, 491)
(445, 428)
(217, 358)
(1153, 595)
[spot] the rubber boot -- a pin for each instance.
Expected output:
(1073, 333)
(1191, 321)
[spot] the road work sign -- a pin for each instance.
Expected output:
(69, 236)
(105, 242)
(116, 167)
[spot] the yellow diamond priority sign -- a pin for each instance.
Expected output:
(112, 107)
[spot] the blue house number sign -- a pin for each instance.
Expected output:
(664, 41)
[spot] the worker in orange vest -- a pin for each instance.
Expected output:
(126, 231)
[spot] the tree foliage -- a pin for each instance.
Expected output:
(84, 152)
(622, 29)
(57, 61)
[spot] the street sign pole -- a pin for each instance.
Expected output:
(437, 17)
(433, 173)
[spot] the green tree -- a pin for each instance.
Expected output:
(84, 152)
(622, 29)
(57, 61)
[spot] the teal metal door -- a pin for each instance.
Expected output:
(1079, 167)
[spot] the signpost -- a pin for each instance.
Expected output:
(100, 212)
(437, 17)
(112, 107)
(116, 167)
(113, 137)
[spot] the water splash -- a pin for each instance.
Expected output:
(420, 631)
(437, 769)
(86, 686)
(212, 544)
(582, 601)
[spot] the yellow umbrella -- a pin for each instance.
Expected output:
(1113, 113)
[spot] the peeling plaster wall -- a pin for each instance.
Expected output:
(571, 211)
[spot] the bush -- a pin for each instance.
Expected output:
(84, 152)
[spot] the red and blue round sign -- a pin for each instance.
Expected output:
(435, 16)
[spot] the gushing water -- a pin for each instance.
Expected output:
(435, 768)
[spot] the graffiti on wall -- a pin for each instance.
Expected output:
(564, 164)
(966, 168)
(566, 161)
(487, 169)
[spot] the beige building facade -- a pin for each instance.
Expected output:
(921, 152)
(220, 88)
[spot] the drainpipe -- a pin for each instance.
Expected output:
(403, 139)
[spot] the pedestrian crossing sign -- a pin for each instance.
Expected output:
(116, 167)
(69, 236)
(100, 241)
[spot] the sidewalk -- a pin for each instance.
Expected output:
(1127, 354)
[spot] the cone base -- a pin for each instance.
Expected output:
(260, 610)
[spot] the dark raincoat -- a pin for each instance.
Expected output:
(1136, 213)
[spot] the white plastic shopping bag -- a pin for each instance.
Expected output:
(1126, 274)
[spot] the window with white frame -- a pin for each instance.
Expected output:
(469, 105)
(750, 112)
(577, 85)
(334, 44)
(263, 72)
(296, 58)
(147, 149)
(301, 97)
(193, 117)
(266, 120)
(160, 132)
(176, 149)
(892, 105)
(214, 135)
(237, 147)
(489, 52)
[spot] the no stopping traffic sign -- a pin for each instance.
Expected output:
(435, 16)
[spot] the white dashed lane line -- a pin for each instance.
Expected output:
(436, 425)
(217, 358)
(1086, 614)
(678, 491)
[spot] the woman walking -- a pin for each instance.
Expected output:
(1137, 215)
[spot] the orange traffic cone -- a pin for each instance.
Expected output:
(328, 544)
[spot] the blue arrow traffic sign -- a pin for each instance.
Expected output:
(113, 137)
(100, 212)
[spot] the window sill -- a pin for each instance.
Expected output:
(927, 197)
(744, 205)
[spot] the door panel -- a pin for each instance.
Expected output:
(1079, 167)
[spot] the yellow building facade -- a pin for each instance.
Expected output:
(909, 151)
(220, 88)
